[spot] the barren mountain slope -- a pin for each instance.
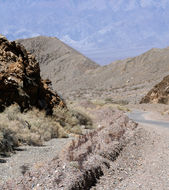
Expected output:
(83, 78)
(146, 68)
(59, 62)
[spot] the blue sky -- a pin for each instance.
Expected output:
(104, 30)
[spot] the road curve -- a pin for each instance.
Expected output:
(139, 117)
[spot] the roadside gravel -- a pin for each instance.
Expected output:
(153, 171)
(144, 163)
(28, 156)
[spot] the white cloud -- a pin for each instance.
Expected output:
(77, 44)
(146, 3)
(116, 5)
(155, 3)
(132, 4)
(105, 30)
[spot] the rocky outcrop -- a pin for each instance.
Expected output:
(20, 80)
(159, 94)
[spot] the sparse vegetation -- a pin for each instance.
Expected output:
(120, 102)
(33, 127)
(123, 108)
(98, 102)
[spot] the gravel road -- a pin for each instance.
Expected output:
(148, 118)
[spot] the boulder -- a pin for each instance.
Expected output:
(20, 80)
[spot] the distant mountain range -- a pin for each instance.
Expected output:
(104, 30)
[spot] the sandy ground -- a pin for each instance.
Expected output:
(161, 109)
(144, 163)
(30, 156)
(153, 170)
(157, 116)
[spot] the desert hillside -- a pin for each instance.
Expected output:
(63, 65)
(75, 76)
(143, 69)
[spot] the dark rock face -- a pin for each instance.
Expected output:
(20, 80)
(159, 94)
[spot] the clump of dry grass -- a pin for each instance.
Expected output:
(119, 102)
(33, 127)
(8, 140)
(72, 120)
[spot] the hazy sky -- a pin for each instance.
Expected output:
(104, 30)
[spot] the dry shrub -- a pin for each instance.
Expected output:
(72, 120)
(119, 102)
(76, 130)
(123, 108)
(98, 102)
(8, 139)
(33, 127)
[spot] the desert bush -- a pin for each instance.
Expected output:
(8, 139)
(34, 127)
(100, 141)
(72, 120)
(120, 102)
(76, 130)
(108, 100)
(123, 108)
(98, 102)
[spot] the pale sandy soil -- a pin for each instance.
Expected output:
(30, 156)
(152, 171)
(157, 116)
(160, 108)
(144, 166)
